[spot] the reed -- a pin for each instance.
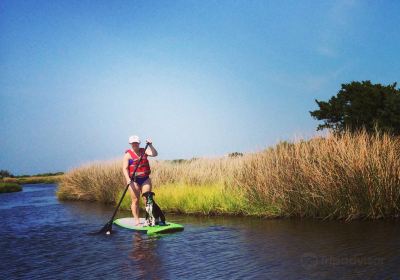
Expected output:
(33, 179)
(102, 181)
(6, 187)
(98, 181)
(344, 176)
(348, 176)
(214, 199)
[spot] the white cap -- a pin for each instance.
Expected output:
(134, 139)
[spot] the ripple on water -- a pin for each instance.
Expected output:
(42, 238)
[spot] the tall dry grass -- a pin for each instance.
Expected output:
(98, 181)
(103, 181)
(337, 177)
(341, 176)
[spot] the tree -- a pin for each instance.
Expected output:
(5, 173)
(235, 154)
(361, 105)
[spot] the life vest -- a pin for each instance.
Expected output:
(144, 166)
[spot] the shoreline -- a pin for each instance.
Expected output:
(33, 179)
(6, 187)
(179, 207)
(345, 177)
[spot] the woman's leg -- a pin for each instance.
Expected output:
(134, 190)
(146, 187)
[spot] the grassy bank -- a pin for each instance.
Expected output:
(34, 179)
(9, 187)
(337, 177)
(213, 199)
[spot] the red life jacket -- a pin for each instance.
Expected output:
(144, 166)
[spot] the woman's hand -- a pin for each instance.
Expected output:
(151, 151)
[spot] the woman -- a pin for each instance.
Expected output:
(142, 182)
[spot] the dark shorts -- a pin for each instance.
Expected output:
(140, 180)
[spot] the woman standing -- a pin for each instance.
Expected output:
(142, 183)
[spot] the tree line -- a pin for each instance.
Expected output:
(361, 106)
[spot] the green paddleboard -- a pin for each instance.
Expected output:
(129, 224)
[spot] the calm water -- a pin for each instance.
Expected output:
(41, 238)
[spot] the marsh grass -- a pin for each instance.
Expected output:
(7, 187)
(213, 199)
(34, 179)
(346, 176)
(98, 181)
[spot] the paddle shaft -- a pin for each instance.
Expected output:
(127, 186)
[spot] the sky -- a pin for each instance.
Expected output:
(200, 78)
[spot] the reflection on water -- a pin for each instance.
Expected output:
(42, 238)
(144, 254)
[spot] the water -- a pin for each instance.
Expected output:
(42, 238)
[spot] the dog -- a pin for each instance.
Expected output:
(154, 215)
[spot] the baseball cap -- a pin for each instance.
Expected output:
(134, 139)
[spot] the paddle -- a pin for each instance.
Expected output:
(108, 227)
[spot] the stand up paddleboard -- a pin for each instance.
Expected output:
(129, 224)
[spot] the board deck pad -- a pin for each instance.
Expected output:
(129, 224)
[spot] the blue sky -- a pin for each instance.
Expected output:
(201, 78)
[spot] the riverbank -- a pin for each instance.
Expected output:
(33, 179)
(9, 187)
(349, 176)
(210, 200)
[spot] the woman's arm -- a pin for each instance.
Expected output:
(151, 151)
(125, 167)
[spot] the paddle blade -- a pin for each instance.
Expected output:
(107, 229)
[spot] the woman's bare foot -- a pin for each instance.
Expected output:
(137, 223)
